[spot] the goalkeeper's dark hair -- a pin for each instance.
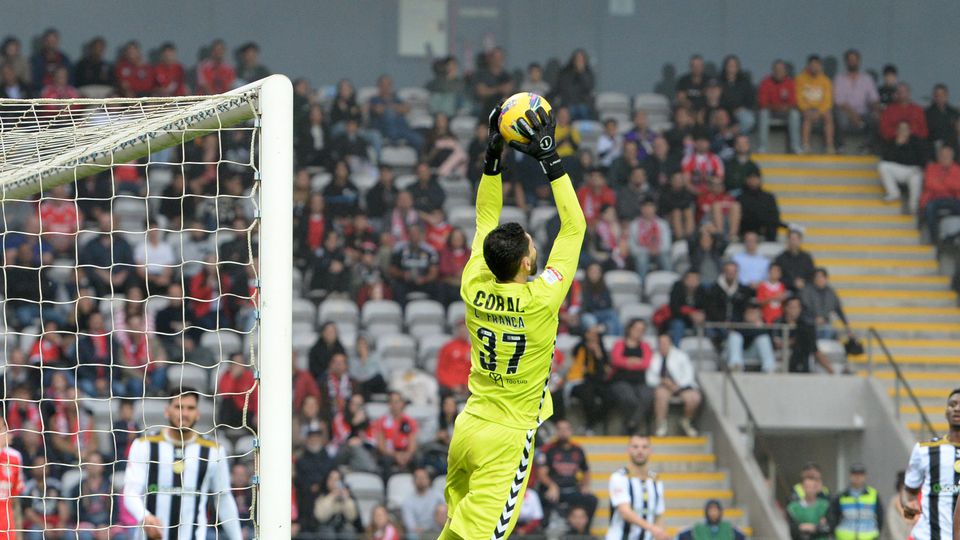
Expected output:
(184, 391)
(504, 248)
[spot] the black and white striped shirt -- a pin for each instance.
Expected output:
(175, 484)
(934, 468)
(645, 496)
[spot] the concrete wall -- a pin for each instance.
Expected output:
(358, 38)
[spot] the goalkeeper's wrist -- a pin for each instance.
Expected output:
(552, 166)
(493, 162)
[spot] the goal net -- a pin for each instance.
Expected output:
(147, 259)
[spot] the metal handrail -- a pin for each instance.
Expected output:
(782, 328)
(872, 335)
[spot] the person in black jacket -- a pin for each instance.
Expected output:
(901, 162)
(728, 298)
(796, 263)
(575, 86)
(327, 345)
(688, 300)
(942, 118)
(760, 213)
(738, 95)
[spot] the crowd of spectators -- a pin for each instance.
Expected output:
(682, 199)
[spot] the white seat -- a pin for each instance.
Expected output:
(428, 348)
(320, 181)
(659, 282)
(365, 93)
(414, 95)
(622, 281)
(243, 449)
(419, 119)
(624, 298)
(374, 330)
(699, 349)
(422, 331)
(381, 312)
(512, 214)
(651, 102)
(948, 226)
(457, 188)
(303, 342)
(339, 310)
(658, 300)
(612, 102)
(463, 127)
(539, 217)
(223, 342)
(397, 345)
(455, 313)
(69, 480)
(566, 343)
(679, 253)
(628, 312)
(187, 374)
(303, 310)
(423, 312)
(365, 506)
(398, 364)
(376, 409)
(404, 181)
(833, 350)
(399, 157)
(399, 488)
(463, 217)
(364, 179)
(770, 250)
(364, 485)
(610, 341)
(733, 249)
(426, 418)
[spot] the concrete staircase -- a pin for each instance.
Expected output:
(885, 275)
(687, 467)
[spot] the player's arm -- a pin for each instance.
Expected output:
(912, 482)
(135, 479)
(489, 194)
(540, 128)
(227, 513)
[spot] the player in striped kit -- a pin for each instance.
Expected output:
(637, 497)
(934, 474)
(172, 474)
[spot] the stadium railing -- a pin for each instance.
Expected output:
(874, 338)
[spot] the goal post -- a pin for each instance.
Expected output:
(246, 303)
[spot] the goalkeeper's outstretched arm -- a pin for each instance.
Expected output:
(489, 195)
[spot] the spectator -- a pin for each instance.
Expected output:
(307, 419)
(159, 270)
(712, 106)
(815, 101)
(642, 135)
(330, 273)
(214, 74)
(534, 82)
(304, 385)
(123, 431)
(238, 394)
(314, 147)
(857, 511)
(59, 87)
(344, 106)
(942, 118)
(753, 266)
(941, 190)
(714, 527)
(739, 167)
(802, 339)
(691, 86)
(107, 259)
(597, 305)
(855, 97)
(680, 136)
(48, 59)
(439, 521)
(751, 340)
(10, 86)
(671, 375)
(676, 204)
(135, 76)
(387, 114)
(493, 83)
(778, 100)
(702, 166)
(738, 94)
(578, 524)
(610, 144)
(414, 266)
(688, 300)
(720, 209)
(327, 345)
(249, 68)
(888, 86)
(661, 164)
(632, 193)
(351, 144)
(443, 151)
(563, 474)
(92, 69)
(797, 263)
(11, 55)
(427, 194)
(630, 359)
(594, 195)
(341, 195)
(706, 250)
(169, 75)
(418, 508)
(453, 257)
(447, 88)
(727, 298)
(808, 516)
(608, 245)
(759, 209)
(336, 510)
(723, 134)
(575, 86)
(649, 238)
(336, 387)
(586, 376)
(903, 110)
(453, 363)
(821, 302)
(396, 436)
(567, 136)
(382, 197)
(771, 293)
(366, 368)
(354, 438)
(94, 508)
(531, 515)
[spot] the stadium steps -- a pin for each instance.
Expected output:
(686, 465)
(885, 275)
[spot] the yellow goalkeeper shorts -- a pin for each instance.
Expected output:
(487, 471)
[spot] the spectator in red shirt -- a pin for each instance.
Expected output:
(168, 75)
(59, 88)
(215, 75)
(238, 390)
(777, 98)
(134, 76)
(303, 385)
(60, 220)
(903, 110)
(630, 359)
(48, 59)
(720, 208)
(453, 257)
(649, 237)
(771, 294)
(336, 386)
(701, 166)
(941, 190)
(453, 364)
(594, 195)
(396, 436)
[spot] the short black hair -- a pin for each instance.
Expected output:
(940, 86)
(889, 68)
(821, 270)
(504, 248)
(185, 391)
(813, 57)
(953, 392)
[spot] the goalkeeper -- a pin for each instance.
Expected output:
(512, 323)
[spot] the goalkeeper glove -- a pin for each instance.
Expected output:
(493, 159)
(540, 127)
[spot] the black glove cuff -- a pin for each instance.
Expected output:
(492, 163)
(552, 166)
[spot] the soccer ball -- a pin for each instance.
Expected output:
(516, 107)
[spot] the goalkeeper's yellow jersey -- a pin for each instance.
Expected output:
(513, 326)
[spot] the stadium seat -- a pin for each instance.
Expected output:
(381, 312)
(455, 313)
(658, 300)
(624, 298)
(699, 349)
(658, 282)
(364, 179)
(399, 157)
(302, 342)
(222, 342)
(610, 341)
(457, 189)
(833, 350)
(419, 119)
(397, 345)
(612, 102)
(622, 281)
(399, 488)
(421, 312)
(421, 331)
(302, 327)
(303, 310)
(948, 226)
(364, 93)
(439, 483)
(375, 409)
(512, 214)
(539, 217)
(189, 375)
(243, 449)
(590, 131)
(462, 127)
(770, 250)
(679, 253)
(652, 104)
(415, 96)
(463, 217)
(153, 412)
(428, 348)
(365, 507)
(404, 181)
(629, 312)
(375, 330)
(320, 181)
(566, 343)
(426, 418)
(364, 485)
(733, 249)
(339, 310)
(131, 213)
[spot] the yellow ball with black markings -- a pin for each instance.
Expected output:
(514, 108)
